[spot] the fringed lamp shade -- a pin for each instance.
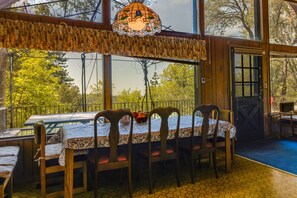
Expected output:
(136, 19)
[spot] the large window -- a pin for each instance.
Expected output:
(232, 18)
(47, 82)
(168, 84)
(282, 23)
(283, 81)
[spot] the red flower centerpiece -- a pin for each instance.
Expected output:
(140, 116)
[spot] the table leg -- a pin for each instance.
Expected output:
(68, 175)
(227, 151)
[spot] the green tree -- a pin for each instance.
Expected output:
(34, 82)
(127, 95)
(176, 83)
(96, 93)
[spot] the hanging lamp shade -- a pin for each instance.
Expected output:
(136, 19)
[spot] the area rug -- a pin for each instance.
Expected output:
(278, 153)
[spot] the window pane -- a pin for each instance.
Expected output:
(247, 89)
(238, 90)
(255, 62)
(282, 23)
(170, 84)
(230, 18)
(283, 81)
(246, 75)
(73, 9)
(176, 15)
(246, 61)
(238, 60)
(255, 77)
(255, 89)
(238, 75)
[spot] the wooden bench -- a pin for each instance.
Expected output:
(8, 160)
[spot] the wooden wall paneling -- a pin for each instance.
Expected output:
(217, 75)
(206, 70)
(36, 169)
(28, 158)
(19, 169)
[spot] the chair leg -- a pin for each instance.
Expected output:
(129, 181)
(215, 163)
(85, 176)
(43, 179)
(232, 149)
(2, 191)
(150, 178)
(192, 167)
(96, 185)
(121, 176)
(177, 171)
(10, 186)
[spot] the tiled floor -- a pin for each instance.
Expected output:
(246, 179)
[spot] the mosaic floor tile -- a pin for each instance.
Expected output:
(246, 179)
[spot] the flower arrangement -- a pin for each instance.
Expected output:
(140, 116)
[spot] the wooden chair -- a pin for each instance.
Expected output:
(162, 151)
(206, 144)
(48, 155)
(286, 117)
(119, 157)
(228, 116)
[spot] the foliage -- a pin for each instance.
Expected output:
(127, 95)
(176, 83)
(40, 78)
(96, 93)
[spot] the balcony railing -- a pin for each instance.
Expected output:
(18, 115)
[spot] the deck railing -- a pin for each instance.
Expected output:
(18, 115)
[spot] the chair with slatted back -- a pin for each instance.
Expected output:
(228, 116)
(206, 143)
(48, 156)
(162, 150)
(117, 156)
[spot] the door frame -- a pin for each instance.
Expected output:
(248, 51)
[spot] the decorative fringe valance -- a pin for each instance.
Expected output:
(45, 36)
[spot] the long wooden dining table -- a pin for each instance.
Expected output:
(78, 137)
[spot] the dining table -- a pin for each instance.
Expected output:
(78, 137)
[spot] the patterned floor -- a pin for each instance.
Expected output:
(246, 179)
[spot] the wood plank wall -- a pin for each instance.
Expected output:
(26, 169)
(217, 69)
